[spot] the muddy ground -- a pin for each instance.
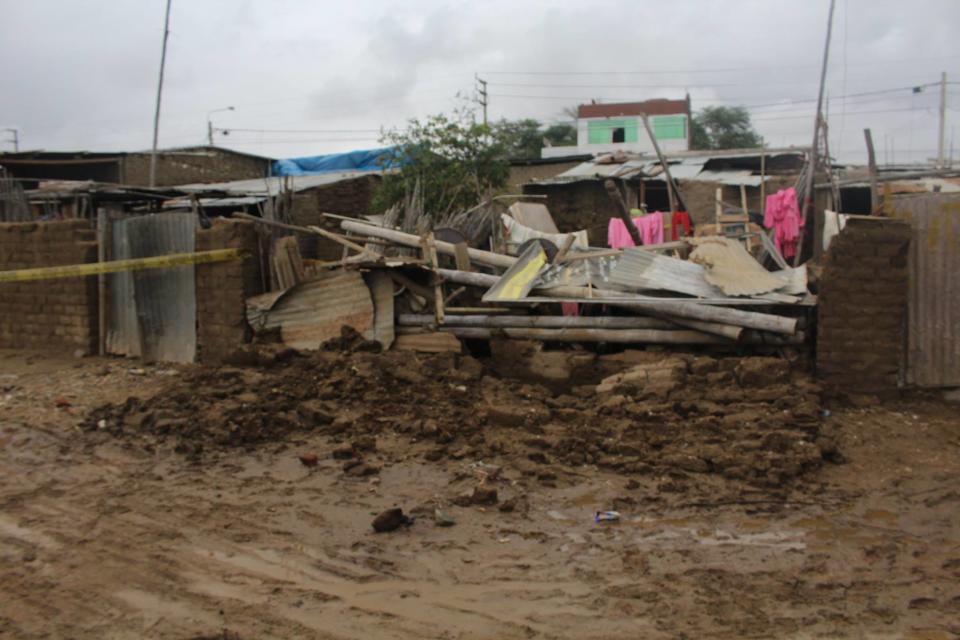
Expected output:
(189, 514)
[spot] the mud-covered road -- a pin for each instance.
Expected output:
(108, 536)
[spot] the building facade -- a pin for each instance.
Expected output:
(605, 128)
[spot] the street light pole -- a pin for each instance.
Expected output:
(210, 123)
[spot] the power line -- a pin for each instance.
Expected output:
(714, 70)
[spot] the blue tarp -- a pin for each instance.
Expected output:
(363, 160)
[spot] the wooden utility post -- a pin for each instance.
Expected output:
(872, 160)
(808, 194)
(671, 185)
(943, 120)
(622, 210)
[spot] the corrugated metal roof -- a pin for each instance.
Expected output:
(274, 185)
(645, 270)
(683, 166)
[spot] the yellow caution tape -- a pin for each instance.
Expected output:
(116, 266)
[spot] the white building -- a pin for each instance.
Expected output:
(602, 128)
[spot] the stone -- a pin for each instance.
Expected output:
(391, 520)
(441, 519)
(309, 459)
(343, 452)
(484, 496)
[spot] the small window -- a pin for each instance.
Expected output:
(619, 134)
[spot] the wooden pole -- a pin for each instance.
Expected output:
(617, 198)
(479, 256)
(542, 322)
(103, 230)
(763, 177)
(812, 169)
(628, 336)
(312, 230)
(872, 160)
(663, 163)
(156, 114)
(683, 310)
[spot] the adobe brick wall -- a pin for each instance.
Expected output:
(45, 314)
(175, 168)
(347, 197)
(862, 311)
(223, 287)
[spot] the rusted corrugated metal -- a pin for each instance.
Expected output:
(314, 311)
(933, 350)
(153, 314)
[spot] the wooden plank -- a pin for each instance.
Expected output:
(381, 291)
(462, 256)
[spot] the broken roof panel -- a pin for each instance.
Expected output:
(274, 185)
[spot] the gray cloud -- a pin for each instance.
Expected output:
(309, 77)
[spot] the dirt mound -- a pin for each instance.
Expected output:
(748, 419)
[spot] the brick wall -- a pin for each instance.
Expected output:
(223, 287)
(346, 197)
(862, 310)
(59, 314)
(176, 168)
(580, 205)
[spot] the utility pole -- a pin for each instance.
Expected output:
(210, 126)
(943, 120)
(808, 194)
(156, 115)
(15, 139)
(482, 91)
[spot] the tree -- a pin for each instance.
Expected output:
(561, 135)
(723, 128)
(523, 139)
(519, 138)
(454, 163)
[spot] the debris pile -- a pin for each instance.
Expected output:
(749, 419)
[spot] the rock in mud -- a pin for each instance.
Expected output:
(309, 459)
(442, 519)
(343, 452)
(391, 520)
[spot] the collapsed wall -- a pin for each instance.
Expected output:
(862, 307)
(48, 314)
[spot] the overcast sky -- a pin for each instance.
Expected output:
(309, 77)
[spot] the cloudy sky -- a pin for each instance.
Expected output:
(308, 77)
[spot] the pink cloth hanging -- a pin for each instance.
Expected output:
(650, 228)
(782, 214)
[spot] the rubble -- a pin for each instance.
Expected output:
(747, 419)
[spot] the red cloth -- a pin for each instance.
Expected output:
(570, 308)
(679, 218)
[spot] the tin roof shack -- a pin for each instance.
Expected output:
(299, 200)
(578, 200)
(174, 166)
(527, 170)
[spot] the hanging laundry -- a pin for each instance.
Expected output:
(782, 214)
(678, 219)
(649, 226)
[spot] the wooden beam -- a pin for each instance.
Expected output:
(617, 198)
(872, 161)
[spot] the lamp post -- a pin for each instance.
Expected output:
(210, 123)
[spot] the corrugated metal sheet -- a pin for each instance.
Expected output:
(731, 268)
(933, 351)
(274, 185)
(166, 299)
(153, 314)
(314, 311)
(645, 270)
